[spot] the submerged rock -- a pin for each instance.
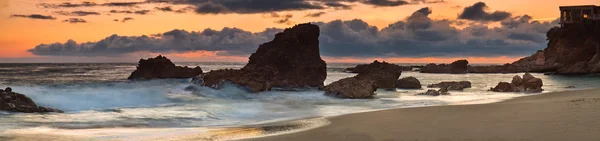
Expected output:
(351, 88)
(456, 67)
(528, 83)
(408, 83)
(455, 86)
(161, 67)
(291, 60)
(442, 91)
(16, 102)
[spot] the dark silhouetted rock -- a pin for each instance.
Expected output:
(570, 87)
(442, 91)
(454, 86)
(503, 87)
(351, 88)
(15, 102)
(376, 65)
(160, 68)
(384, 74)
(456, 67)
(573, 50)
(408, 83)
(528, 83)
(291, 60)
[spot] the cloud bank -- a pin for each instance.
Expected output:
(416, 36)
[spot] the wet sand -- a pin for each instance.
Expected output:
(558, 116)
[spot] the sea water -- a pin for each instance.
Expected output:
(99, 97)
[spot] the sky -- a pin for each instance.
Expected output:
(403, 31)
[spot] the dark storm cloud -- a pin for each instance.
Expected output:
(416, 36)
(77, 13)
(316, 14)
(34, 16)
(251, 6)
(478, 12)
(75, 20)
(92, 4)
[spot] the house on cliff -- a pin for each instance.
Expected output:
(582, 15)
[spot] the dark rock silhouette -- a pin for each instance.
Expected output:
(16, 102)
(408, 83)
(351, 88)
(453, 86)
(456, 67)
(368, 67)
(161, 67)
(291, 60)
(381, 74)
(528, 83)
(442, 91)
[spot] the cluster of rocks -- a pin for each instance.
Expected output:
(377, 75)
(16, 102)
(528, 83)
(161, 67)
(456, 67)
(366, 67)
(439, 92)
(452, 86)
(291, 60)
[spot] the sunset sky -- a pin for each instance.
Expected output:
(420, 31)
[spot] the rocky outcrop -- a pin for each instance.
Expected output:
(453, 86)
(442, 91)
(456, 67)
(572, 50)
(384, 74)
(16, 102)
(528, 83)
(161, 67)
(352, 88)
(368, 67)
(378, 75)
(408, 83)
(291, 60)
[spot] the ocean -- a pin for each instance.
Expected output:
(99, 96)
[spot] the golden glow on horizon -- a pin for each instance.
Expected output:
(20, 34)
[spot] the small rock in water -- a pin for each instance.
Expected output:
(570, 87)
(8, 90)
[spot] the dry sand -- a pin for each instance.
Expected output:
(559, 116)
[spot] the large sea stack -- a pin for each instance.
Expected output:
(375, 75)
(291, 60)
(16, 102)
(161, 67)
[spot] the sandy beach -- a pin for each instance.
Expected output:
(557, 116)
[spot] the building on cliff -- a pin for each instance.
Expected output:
(586, 15)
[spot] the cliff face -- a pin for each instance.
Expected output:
(573, 50)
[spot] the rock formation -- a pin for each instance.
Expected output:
(453, 86)
(367, 67)
(161, 67)
(377, 75)
(442, 91)
(351, 88)
(291, 60)
(528, 83)
(16, 102)
(408, 83)
(456, 67)
(573, 50)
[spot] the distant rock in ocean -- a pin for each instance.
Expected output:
(452, 85)
(16, 102)
(408, 83)
(367, 67)
(528, 83)
(456, 67)
(161, 67)
(291, 60)
(375, 75)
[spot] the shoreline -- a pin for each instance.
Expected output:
(343, 127)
